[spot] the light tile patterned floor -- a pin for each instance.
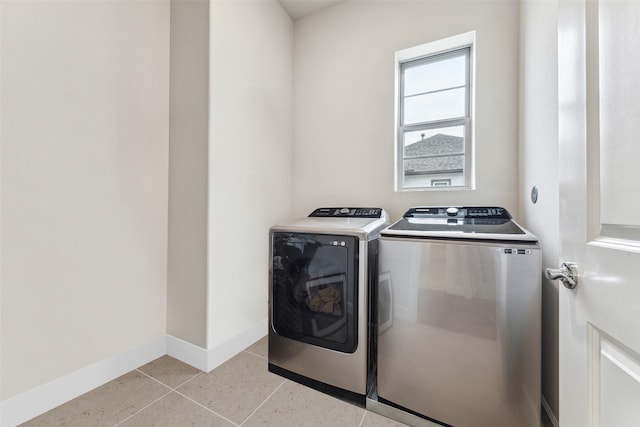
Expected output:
(240, 392)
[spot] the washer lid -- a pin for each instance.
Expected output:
(476, 222)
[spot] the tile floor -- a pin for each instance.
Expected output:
(240, 392)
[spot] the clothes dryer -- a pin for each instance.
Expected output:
(321, 271)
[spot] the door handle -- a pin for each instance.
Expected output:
(567, 274)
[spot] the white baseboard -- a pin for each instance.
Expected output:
(549, 412)
(208, 360)
(188, 353)
(225, 351)
(25, 406)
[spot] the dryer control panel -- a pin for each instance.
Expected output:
(347, 212)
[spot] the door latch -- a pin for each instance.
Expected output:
(567, 274)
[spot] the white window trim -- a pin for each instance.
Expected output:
(429, 49)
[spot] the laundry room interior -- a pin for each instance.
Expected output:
(148, 147)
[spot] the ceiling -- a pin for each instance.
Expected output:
(300, 8)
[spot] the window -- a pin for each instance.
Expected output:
(434, 115)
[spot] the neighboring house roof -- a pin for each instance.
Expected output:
(437, 154)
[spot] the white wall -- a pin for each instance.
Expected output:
(344, 101)
(84, 184)
(250, 180)
(539, 164)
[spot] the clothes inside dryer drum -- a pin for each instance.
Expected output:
(311, 295)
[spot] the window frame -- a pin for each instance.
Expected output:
(419, 55)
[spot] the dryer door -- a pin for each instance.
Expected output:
(314, 289)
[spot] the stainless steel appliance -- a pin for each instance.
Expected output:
(459, 329)
(321, 270)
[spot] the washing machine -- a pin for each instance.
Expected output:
(322, 268)
(458, 340)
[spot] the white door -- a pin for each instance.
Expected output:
(599, 104)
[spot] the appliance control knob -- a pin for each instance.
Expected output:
(452, 211)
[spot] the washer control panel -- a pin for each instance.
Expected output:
(347, 213)
(485, 212)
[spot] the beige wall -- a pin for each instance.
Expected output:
(539, 164)
(250, 180)
(188, 172)
(84, 184)
(344, 101)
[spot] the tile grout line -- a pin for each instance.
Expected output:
(188, 381)
(169, 391)
(175, 390)
(168, 386)
(364, 414)
(263, 402)
(208, 409)
(150, 404)
(255, 354)
(144, 407)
